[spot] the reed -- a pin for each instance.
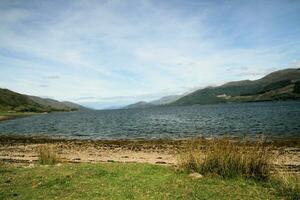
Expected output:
(228, 158)
(287, 185)
(47, 155)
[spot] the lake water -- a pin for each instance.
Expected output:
(275, 119)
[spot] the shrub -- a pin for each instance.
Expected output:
(228, 159)
(47, 155)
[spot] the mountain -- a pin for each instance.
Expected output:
(74, 105)
(279, 85)
(140, 104)
(57, 105)
(13, 101)
(165, 100)
(162, 101)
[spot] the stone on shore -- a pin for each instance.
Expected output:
(196, 175)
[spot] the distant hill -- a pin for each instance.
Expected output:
(13, 101)
(279, 85)
(57, 105)
(74, 105)
(140, 104)
(165, 100)
(162, 101)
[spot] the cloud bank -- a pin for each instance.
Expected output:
(95, 51)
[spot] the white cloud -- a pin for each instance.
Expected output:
(105, 49)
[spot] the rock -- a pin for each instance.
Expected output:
(8, 181)
(196, 175)
(76, 158)
(58, 164)
(160, 162)
(31, 165)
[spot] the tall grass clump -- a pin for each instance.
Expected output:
(228, 158)
(287, 186)
(47, 155)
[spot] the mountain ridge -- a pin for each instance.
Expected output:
(11, 101)
(247, 90)
(158, 102)
(278, 85)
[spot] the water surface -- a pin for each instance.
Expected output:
(275, 119)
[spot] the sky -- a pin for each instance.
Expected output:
(109, 53)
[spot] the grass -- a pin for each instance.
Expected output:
(16, 113)
(231, 159)
(228, 159)
(287, 185)
(13, 115)
(47, 155)
(123, 181)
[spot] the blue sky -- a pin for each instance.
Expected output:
(113, 52)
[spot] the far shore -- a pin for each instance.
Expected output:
(4, 117)
(23, 150)
(14, 115)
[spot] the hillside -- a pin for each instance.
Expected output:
(56, 105)
(140, 104)
(14, 102)
(165, 100)
(162, 101)
(279, 85)
(74, 105)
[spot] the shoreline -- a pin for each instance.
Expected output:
(13, 115)
(5, 117)
(23, 151)
(291, 141)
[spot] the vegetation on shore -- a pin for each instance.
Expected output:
(123, 181)
(47, 155)
(237, 159)
(230, 169)
(13, 115)
(228, 159)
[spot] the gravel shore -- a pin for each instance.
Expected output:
(23, 150)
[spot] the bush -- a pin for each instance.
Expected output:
(47, 155)
(228, 159)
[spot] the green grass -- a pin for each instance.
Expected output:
(16, 113)
(12, 115)
(122, 181)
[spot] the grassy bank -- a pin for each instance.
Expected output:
(13, 115)
(238, 159)
(123, 181)
(228, 170)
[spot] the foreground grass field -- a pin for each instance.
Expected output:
(123, 181)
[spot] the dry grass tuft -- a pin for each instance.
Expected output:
(288, 186)
(228, 158)
(47, 155)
